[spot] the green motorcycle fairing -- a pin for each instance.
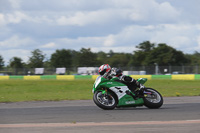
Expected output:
(119, 89)
(142, 80)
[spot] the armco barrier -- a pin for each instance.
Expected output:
(65, 77)
(141, 76)
(94, 77)
(161, 77)
(48, 77)
(197, 76)
(183, 77)
(16, 77)
(74, 77)
(4, 77)
(83, 76)
(31, 77)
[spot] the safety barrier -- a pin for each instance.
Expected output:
(74, 77)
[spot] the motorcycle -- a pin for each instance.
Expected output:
(110, 94)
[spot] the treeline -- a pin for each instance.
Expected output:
(147, 54)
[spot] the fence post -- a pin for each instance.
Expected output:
(197, 68)
(156, 68)
(183, 70)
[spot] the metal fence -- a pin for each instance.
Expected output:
(165, 69)
(31, 71)
(157, 70)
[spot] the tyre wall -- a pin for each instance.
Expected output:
(93, 77)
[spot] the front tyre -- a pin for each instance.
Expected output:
(152, 98)
(105, 101)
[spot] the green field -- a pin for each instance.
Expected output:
(54, 90)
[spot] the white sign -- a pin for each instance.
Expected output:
(88, 70)
(60, 70)
(39, 70)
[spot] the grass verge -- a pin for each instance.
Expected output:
(56, 90)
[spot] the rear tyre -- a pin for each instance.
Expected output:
(105, 101)
(152, 98)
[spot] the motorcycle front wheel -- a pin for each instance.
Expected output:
(105, 101)
(152, 98)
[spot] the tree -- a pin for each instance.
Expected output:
(1, 62)
(110, 53)
(61, 58)
(102, 58)
(16, 62)
(138, 58)
(194, 58)
(141, 54)
(47, 63)
(164, 55)
(37, 58)
(146, 46)
(86, 58)
(120, 60)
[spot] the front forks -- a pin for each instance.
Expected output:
(105, 93)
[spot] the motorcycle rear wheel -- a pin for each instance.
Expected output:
(105, 101)
(153, 100)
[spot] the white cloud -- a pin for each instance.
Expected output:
(10, 53)
(179, 36)
(109, 41)
(17, 17)
(124, 12)
(121, 49)
(14, 17)
(119, 25)
(15, 3)
(49, 45)
(119, 12)
(149, 11)
(198, 44)
(16, 42)
(198, 40)
(180, 41)
(166, 11)
(85, 18)
(133, 35)
(2, 19)
(80, 42)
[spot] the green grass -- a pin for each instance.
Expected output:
(21, 90)
(55, 90)
(172, 88)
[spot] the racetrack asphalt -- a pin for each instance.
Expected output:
(178, 114)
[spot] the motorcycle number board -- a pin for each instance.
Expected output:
(119, 90)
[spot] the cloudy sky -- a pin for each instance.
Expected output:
(101, 25)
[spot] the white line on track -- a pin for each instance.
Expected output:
(84, 124)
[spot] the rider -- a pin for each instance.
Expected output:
(107, 72)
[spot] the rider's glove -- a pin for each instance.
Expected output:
(116, 72)
(142, 86)
(113, 73)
